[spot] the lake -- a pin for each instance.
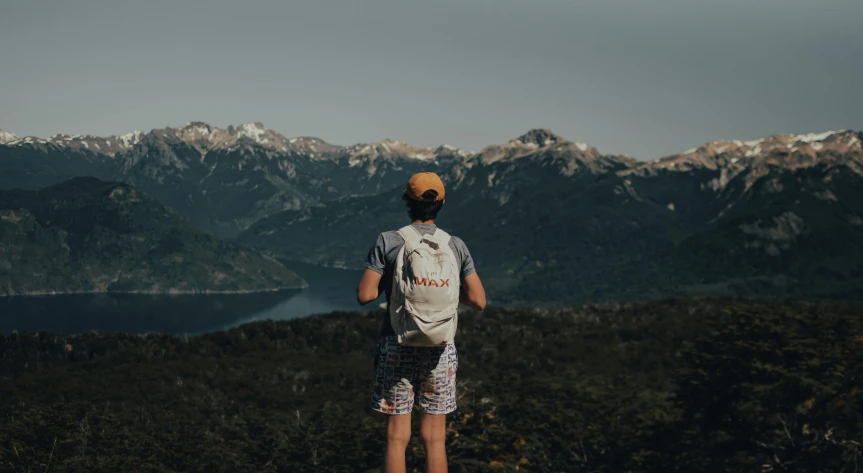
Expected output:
(329, 290)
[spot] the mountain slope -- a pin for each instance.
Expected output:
(800, 230)
(701, 183)
(508, 203)
(34, 165)
(86, 235)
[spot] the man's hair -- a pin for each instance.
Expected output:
(420, 210)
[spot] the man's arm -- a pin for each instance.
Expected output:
(369, 287)
(368, 291)
(472, 292)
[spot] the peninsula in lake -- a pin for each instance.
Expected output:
(88, 235)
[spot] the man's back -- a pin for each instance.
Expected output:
(382, 257)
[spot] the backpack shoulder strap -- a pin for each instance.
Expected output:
(410, 234)
(442, 237)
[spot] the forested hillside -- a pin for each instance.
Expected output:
(88, 235)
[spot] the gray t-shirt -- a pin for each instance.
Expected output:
(382, 257)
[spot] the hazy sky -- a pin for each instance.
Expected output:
(643, 77)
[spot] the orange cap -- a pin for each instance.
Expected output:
(422, 182)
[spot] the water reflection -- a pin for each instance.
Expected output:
(132, 312)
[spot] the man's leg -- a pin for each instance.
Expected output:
(398, 436)
(437, 398)
(433, 435)
(393, 394)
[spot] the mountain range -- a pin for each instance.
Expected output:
(223, 180)
(547, 220)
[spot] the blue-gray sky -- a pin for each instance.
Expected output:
(646, 78)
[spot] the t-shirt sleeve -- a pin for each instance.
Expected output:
(467, 266)
(376, 259)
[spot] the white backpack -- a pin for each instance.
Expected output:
(425, 292)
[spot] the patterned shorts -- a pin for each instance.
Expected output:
(403, 373)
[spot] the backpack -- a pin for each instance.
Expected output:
(425, 291)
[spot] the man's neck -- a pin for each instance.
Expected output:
(423, 222)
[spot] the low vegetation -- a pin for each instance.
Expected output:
(701, 385)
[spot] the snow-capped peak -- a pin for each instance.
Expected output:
(540, 137)
(452, 150)
(205, 137)
(200, 128)
(387, 149)
(253, 130)
(539, 141)
(808, 138)
(131, 139)
(784, 150)
(6, 137)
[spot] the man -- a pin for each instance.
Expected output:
(409, 375)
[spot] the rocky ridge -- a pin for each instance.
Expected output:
(222, 179)
(758, 157)
(205, 137)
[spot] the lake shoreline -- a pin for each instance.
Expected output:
(153, 293)
(180, 312)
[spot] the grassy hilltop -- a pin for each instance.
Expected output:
(706, 385)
